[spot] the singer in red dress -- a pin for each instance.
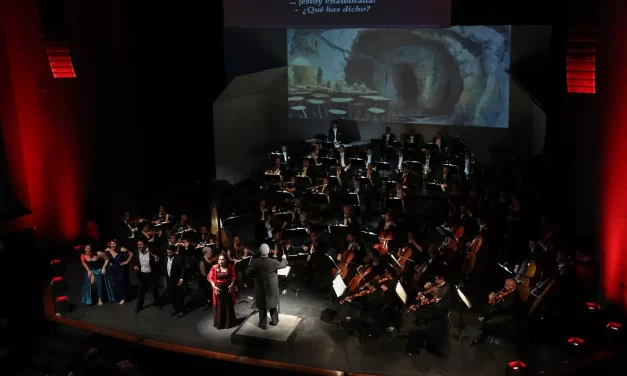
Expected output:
(222, 278)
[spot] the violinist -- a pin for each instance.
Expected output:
(350, 219)
(500, 310)
(372, 175)
(236, 251)
(387, 230)
(182, 224)
(315, 259)
(161, 216)
(341, 177)
(431, 311)
(369, 302)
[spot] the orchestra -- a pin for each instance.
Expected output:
(396, 213)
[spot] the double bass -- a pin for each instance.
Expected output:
(342, 267)
(471, 257)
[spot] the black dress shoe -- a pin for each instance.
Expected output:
(173, 313)
(262, 326)
(274, 323)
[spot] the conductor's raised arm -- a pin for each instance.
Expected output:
(281, 264)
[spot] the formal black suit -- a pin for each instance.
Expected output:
(499, 316)
(387, 140)
(347, 157)
(273, 167)
(264, 270)
(373, 159)
(432, 321)
(126, 236)
(148, 280)
(339, 137)
(176, 290)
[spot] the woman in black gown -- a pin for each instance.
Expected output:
(222, 278)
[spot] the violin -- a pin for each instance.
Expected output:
(498, 297)
(342, 267)
(360, 278)
(423, 301)
(471, 256)
(379, 282)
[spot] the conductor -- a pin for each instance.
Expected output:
(266, 285)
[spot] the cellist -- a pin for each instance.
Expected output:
(358, 255)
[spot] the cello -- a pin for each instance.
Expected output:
(471, 257)
(359, 279)
(451, 242)
(404, 256)
(345, 260)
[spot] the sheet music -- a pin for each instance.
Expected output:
(339, 286)
(284, 271)
(400, 291)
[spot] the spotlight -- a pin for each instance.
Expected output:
(515, 368)
(614, 326)
(592, 306)
(62, 305)
(57, 286)
(55, 267)
(575, 342)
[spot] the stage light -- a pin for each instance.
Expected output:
(575, 342)
(55, 268)
(592, 306)
(57, 286)
(62, 305)
(614, 326)
(515, 367)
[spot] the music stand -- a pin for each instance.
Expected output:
(329, 162)
(400, 291)
(271, 179)
(298, 235)
(464, 302)
(334, 281)
(283, 217)
(350, 199)
(365, 181)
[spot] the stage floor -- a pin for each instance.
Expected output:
(317, 344)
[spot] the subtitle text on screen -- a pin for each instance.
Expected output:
(312, 7)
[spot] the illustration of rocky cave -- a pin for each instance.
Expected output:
(454, 76)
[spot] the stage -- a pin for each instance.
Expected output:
(316, 343)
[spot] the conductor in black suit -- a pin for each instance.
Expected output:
(175, 276)
(336, 135)
(264, 269)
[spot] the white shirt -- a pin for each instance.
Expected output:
(342, 160)
(334, 135)
(411, 139)
(305, 170)
(144, 262)
(130, 228)
(368, 159)
(400, 163)
(285, 156)
(387, 137)
(350, 245)
(399, 193)
(169, 266)
(387, 225)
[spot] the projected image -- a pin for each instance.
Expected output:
(454, 76)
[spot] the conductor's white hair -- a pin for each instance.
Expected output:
(206, 250)
(264, 250)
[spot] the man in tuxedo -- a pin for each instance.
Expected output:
(499, 313)
(341, 177)
(285, 157)
(264, 270)
(350, 219)
(145, 263)
(371, 305)
(277, 166)
(388, 137)
(343, 157)
(127, 232)
(369, 157)
(372, 175)
(175, 276)
(335, 133)
(431, 320)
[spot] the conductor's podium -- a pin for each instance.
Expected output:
(279, 337)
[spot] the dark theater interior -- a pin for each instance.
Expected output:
(313, 187)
